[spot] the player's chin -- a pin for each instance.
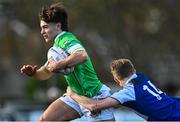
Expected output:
(47, 40)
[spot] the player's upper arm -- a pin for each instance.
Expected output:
(74, 48)
(77, 57)
(125, 95)
(81, 53)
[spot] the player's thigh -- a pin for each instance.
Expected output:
(59, 110)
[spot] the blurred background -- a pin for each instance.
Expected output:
(146, 32)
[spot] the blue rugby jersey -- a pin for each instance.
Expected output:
(151, 103)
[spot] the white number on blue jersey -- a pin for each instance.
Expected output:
(156, 93)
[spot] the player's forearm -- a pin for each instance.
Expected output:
(106, 103)
(84, 101)
(76, 58)
(95, 105)
(81, 99)
(72, 60)
(42, 74)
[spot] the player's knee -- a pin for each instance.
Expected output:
(43, 118)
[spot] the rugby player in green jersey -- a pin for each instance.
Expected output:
(83, 80)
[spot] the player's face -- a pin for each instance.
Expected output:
(50, 30)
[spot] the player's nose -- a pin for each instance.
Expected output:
(42, 31)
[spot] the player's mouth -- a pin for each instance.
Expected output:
(45, 36)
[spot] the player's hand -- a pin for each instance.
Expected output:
(52, 65)
(29, 69)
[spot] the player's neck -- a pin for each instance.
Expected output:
(60, 33)
(129, 78)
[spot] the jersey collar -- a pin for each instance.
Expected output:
(130, 78)
(60, 34)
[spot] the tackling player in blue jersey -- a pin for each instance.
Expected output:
(138, 93)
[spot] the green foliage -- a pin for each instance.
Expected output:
(37, 90)
(32, 86)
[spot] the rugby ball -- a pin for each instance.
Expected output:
(57, 54)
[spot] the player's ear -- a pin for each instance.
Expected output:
(58, 25)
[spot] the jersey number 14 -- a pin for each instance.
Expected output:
(156, 92)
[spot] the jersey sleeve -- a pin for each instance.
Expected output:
(74, 47)
(68, 42)
(125, 95)
(71, 46)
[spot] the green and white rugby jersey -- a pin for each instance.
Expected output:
(83, 80)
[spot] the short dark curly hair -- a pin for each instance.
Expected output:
(55, 13)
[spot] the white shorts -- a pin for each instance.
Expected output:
(105, 114)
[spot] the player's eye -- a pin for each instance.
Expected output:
(44, 27)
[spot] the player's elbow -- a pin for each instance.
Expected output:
(84, 57)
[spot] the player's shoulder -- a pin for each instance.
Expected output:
(127, 93)
(67, 38)
(140, 79)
